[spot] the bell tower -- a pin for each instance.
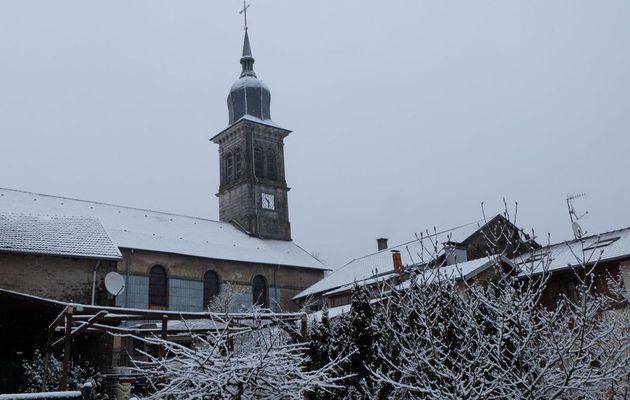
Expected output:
(253, 190)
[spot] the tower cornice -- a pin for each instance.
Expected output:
(247, 123)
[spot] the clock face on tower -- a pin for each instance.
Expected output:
(268, 201)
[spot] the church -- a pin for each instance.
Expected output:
(169, 261)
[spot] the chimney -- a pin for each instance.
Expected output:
(381, 243)
(397, 260)
(455, 253)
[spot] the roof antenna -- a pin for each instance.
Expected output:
(244, 12)
(577, 229)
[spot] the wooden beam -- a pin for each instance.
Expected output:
(58, 320)
(89, 322)
(84, 325)
(66, 351)
(164, 335)
(159, 314)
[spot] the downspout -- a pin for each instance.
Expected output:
(127, 279)
(94, 281)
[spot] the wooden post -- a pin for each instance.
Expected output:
(304, 328)
(164, 335)
(230, 343)
(46, 363)
(51, 332)
(86, 391)
(66, 350)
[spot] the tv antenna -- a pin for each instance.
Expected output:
(577, 229)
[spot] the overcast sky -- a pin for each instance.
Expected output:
(405, 114)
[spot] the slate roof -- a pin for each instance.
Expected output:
(141, 229)
(599, 248)
(380, 263)
(80, 237)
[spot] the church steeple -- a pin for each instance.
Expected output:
(248, 95)
(247, 60)
(253, 192)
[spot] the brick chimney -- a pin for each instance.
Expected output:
(381, 243)
(397, 260)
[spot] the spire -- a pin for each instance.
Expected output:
(247, 49)
(247, 61)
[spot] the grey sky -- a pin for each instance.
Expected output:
(406, 114)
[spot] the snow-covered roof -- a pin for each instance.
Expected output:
(74, 394)
(81, 237)
(603, 247)
(465, 271)
(158, 231)
(251, 118)
(184, 325)
(333, 312)
(459, 271)
(376, 264)
(261, 121)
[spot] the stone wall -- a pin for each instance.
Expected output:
(59, 278)
(240, 197)
(185, 275)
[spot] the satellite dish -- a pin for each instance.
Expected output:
(114, 283)
(577, 229)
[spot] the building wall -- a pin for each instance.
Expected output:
(185, 277)
(566, 281)
(59, 278)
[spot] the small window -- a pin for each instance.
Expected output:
(259, 292)
(229, 168)
(210, 287)
(272, 169)
(570, 290)
(158, 287)
(259, 163)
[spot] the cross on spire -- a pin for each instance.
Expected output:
(244, 12)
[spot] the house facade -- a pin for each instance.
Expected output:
(466, 246)
(484, 245)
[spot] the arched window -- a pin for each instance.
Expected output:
(158, 287)
(229, 168)
(259, 291)
(259, 163)
(272, 168)
(210, 287)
